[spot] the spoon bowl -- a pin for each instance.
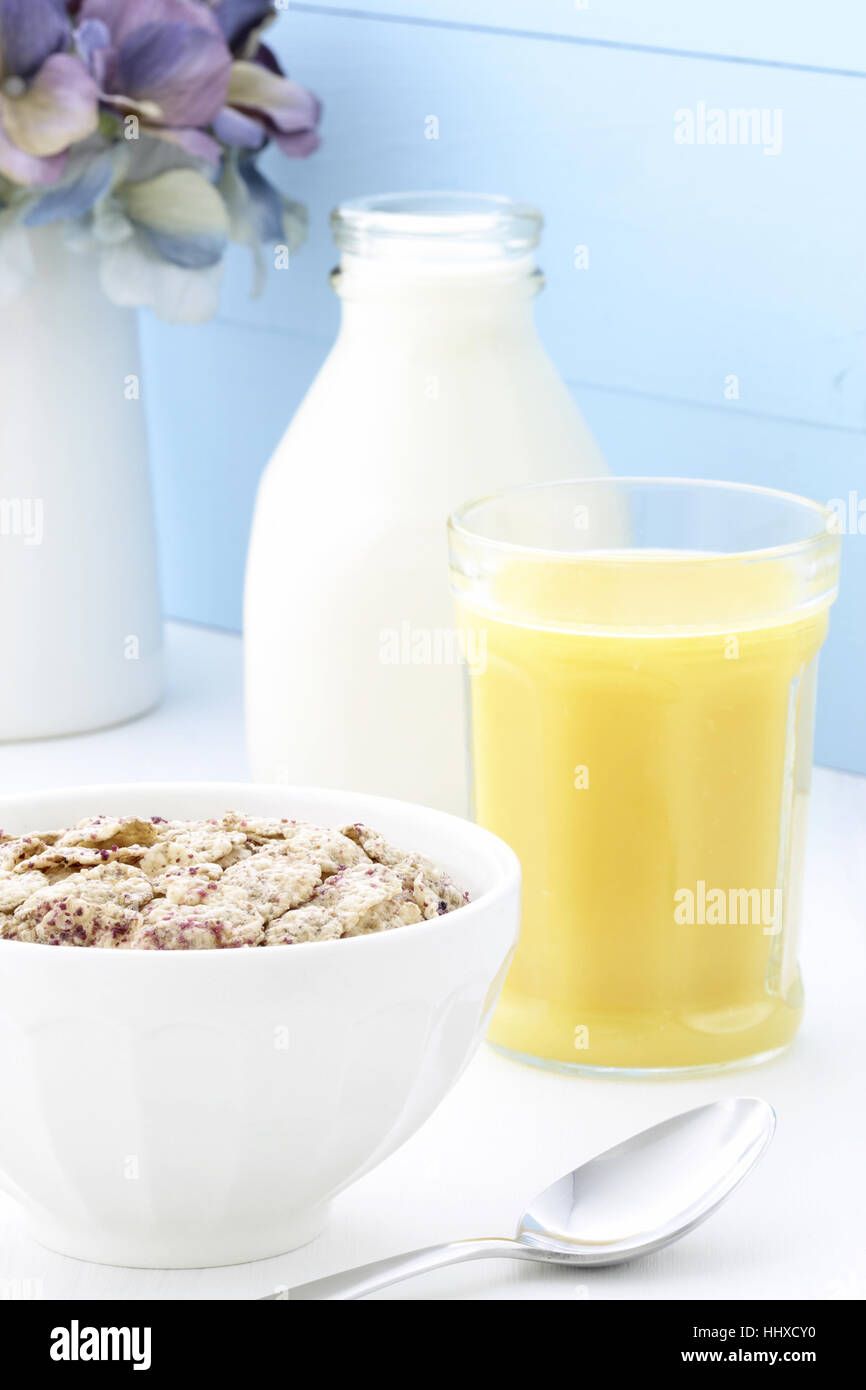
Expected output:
(634, 1198)
(650, 1189)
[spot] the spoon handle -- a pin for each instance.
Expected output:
(364, 1279)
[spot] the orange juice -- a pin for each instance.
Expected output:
(652, 777)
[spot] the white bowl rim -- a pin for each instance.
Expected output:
(501, 853)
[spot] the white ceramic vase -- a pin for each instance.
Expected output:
(80, 626)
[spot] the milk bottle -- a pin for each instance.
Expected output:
(436, 390)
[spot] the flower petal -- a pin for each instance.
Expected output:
(123, 17)
(288, 105)
(264, 203)
(109, 224)
(28, 169)
(58, 108)
(238, 18)
(182, 214)
(134, 276)
(30, 31)
(295, 224)
(267, 58)
(93, 40)
(299, 144)
(194, 142)
(150, 155)
(242, 229)
(85, 181)
(240, 131)
(183, 69)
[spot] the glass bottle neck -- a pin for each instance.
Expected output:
(432, 297)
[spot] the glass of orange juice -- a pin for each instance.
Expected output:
(641, 697)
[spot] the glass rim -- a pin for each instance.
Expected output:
(629, 555)
(436, 218)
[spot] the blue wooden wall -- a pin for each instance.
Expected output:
(704, 261)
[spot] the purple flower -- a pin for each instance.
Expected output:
(108, 111)
(169, 62)
(164, 61)
(48, 100)
(263, 104)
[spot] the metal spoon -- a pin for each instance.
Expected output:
(634, 1198)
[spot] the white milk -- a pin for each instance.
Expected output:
(436, 391)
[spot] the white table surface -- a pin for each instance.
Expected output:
(797, 1228)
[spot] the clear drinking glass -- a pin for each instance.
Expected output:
(641, 693)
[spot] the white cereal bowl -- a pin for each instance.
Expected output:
(170, 1109)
